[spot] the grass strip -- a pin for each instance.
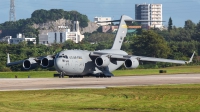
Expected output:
(143, 98)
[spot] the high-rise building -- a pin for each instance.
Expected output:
(151, 12)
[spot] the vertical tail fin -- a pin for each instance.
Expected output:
(121, 33)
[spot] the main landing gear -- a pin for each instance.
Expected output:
(102, 76)
(75, 76)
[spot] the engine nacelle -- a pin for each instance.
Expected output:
(47, 62)
(131, 63)
(29, 64)
(102, 61)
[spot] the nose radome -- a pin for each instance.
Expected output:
(58, 63)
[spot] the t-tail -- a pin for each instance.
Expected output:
(121, 33)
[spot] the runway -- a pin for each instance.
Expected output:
(14, 84)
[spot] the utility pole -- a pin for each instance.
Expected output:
(12, 11)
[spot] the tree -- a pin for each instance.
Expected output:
(183, 49)
(170, 24)
(189, 25)
(37, 37)
(69, 44)
(97, 37)
(150, 44)
(196, 35)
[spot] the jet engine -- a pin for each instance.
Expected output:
(47, 62)
(102, 61)
(29, 64)
(131, 63)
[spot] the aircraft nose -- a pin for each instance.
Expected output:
(58, 64)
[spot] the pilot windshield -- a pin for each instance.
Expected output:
(66, 56)
(63, 56)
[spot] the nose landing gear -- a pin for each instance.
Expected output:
(61, 75)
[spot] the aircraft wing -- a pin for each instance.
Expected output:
(14, 63)
(29, 61)
(142, 58)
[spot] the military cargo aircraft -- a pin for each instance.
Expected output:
(79, 63)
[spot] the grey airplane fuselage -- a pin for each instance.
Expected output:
(73, 62)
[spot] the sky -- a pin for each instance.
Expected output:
(178, 10)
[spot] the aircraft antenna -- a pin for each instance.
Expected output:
(12, 11)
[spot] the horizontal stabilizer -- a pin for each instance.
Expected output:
(108, 21)
(130, 20)
(142, 21)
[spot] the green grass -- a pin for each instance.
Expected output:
(170, 70)
(49, 74)
(178, 98)
(31, 74)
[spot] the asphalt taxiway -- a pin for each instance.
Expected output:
(13, 84)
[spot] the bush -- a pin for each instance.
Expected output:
(5, 69)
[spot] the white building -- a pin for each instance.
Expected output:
(6, 39)
(60, 37)
(102, 19)
(43, 39)
(20, 38)
(151, 12)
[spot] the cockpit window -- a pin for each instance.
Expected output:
(63, 56)
(66, 56)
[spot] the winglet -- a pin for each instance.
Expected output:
(191, 58)
(8, 58)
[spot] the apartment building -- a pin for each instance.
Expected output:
(150, 12)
